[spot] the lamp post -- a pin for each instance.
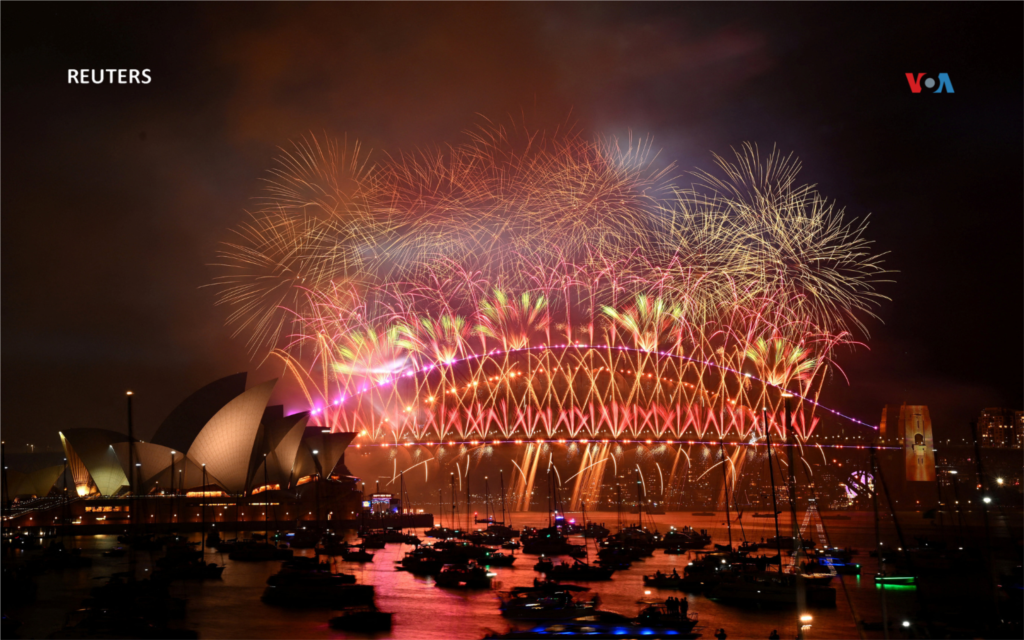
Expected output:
(316, 490)
(203, 518)
(171, 520)
(131, 467)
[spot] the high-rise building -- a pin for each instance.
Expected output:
(999, 427)
(889, 431)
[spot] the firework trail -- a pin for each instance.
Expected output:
(529, 284)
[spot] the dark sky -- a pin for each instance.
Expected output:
(114, 198)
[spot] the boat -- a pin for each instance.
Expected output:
(422, 561)
(116, 552)
(258, 552)
(364, 619)
(547, 601)
(496, 559)
(661, 616)
(315, 589)
(511, 545)
(769, 588)
(304, 539)
(766, 515)
(356, 554)
(785, 541)
(884, 580)
(544, 565)
(463, 576)
(441, 532)
(592, 631)
(579, 571)
(687, 583)
(190, 570)
(303, 564)
(96, 622)
(685, 538)
(549, 542)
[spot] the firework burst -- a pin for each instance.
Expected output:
(425, 282)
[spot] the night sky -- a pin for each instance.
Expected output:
(115, 197)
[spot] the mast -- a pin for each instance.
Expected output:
(131, 469)
(131, 493)
(440, 509)
(469, 502)
(454, 501)
(878, 537)
(502, 475)
(487, 500)
(618, 493)
(401, 502)
(266, 500)
(639, 500)
(771, 474)
(170, 520)
(316, 495)
(550, 497)
(725, 479)
(586, 542)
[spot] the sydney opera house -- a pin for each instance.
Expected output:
(222, 444)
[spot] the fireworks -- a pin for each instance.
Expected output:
(526, 283)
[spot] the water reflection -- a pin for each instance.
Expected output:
(231, 607)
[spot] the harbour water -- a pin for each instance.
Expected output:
(231, 607)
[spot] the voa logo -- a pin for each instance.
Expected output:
(929, 81)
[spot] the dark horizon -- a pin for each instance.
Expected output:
(116, 196)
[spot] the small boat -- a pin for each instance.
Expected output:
(770, 588)
(357, 554)
(190, 570)
(422, 561)
(592, 631)
(495, 559)
(614, 565)
(116, 552)
(315, 589)
(544, 565)
(690, 584)
(661, 616)
(884, 580)
(511, 545)
(464, 576)
(258, 552)
(365, 619)
(579, 571)
(441, 532)
(547, 601)
(766, 515)
(373, 541)
(97, 622)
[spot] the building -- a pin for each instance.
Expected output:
(999, 427)
(222, 437)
